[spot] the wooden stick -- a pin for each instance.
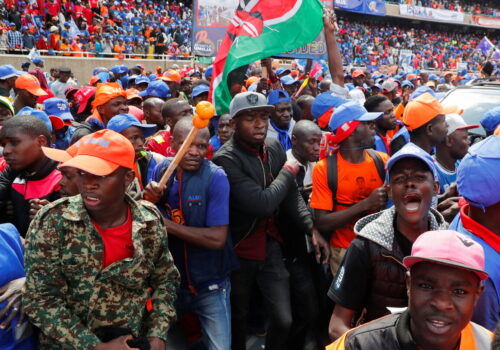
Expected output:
(178, 157)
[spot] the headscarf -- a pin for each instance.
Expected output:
(103, 94)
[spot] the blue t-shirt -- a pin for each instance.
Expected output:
(217, 201)
(446, 177)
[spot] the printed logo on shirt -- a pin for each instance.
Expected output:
(340, 277)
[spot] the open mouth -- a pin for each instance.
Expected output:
(412, 202)
(438, 326)
(90, 199)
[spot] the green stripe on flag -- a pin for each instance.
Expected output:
(299, 30)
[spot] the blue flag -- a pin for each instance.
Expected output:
(485, 46)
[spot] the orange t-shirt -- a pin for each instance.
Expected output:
(355, 183)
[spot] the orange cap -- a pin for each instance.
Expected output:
(30, 82)
(423, 109)
(102, 152)
(62, 155)
(251, 81)
(357, 73)
(133, 93)
(171, 75)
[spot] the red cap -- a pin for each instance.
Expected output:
(102, 152)
(447, 247)
(83, 95)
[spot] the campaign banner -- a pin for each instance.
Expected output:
(369, 7)
(430, 13)
(485, 21)
(405, 60)
(210, 21)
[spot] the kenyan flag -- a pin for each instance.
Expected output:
(260, 29)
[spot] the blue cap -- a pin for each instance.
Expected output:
(200, 89)
(58, 107)
(25, 64)
(433, 77)
(288, 80)
(11, 24)
(284, 71)
(156, 88)
(119, 69)
(124, 121)
(420, 91)
(407, 83)
(278, 96)
(36, 113)
(23, 28)
(141, 79)
(103, 77)
(37, 60)
(66, 24)
(351, 111)
(478, 177)
(491, 119)
(152, 77)
(8, 71)
(323, 102)
(208, 72)
(410, 150)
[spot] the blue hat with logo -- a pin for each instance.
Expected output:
(351, 111)
(410, 150)
(288, 80)
(323, 102)
(24, 28)
(58, 107)
(491, 119)
(52, 123)
(8, 71)
(156, 88)
(478, 178)
(124, 121)
(200, 89)
(278, 96)
(141, 79)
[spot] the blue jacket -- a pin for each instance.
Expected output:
(11, 267)
(199, 267)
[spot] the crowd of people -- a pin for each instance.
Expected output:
(100, 28)
(345, 211)
(370, 43)
(489, 8)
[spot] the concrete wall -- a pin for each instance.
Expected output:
(82, 67)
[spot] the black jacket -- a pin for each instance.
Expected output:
(250, 199)
(87, 127)
(20, 187)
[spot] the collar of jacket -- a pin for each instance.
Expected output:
(379, 227)
(48, 166)
(251, 149)
(403, 332)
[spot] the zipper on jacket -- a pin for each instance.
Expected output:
(393, 258)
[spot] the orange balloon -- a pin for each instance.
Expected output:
(205, 110)
(199, 123)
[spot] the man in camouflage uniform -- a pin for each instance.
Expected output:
(78, 285)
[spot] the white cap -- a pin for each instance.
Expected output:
(456, 122)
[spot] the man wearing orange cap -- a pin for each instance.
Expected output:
(27, 88)
(110, 100)
(91, 258)
(173, 79)
(424, 117)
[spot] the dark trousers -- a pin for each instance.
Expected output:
(272, 279)
(304, 300)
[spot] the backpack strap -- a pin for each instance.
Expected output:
(379, 163)
(331, 171)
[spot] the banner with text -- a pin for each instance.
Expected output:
(369, 7)
(430, 13)
(490, 22)
(210, 21)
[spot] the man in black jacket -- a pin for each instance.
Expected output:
(262, 182)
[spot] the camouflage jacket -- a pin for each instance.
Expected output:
(69, 295)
